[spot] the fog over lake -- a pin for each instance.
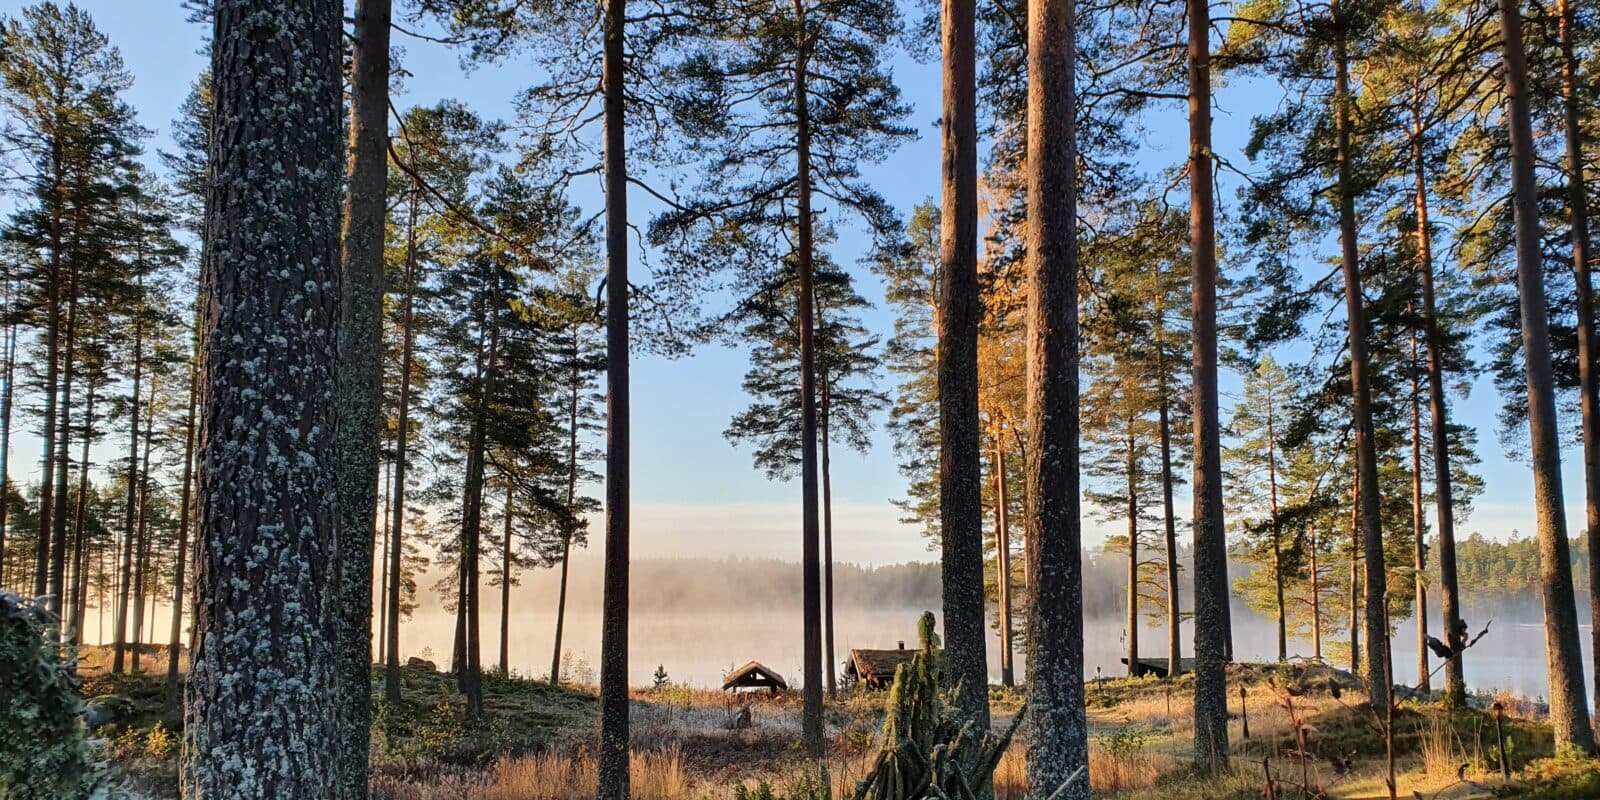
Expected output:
(699, 623)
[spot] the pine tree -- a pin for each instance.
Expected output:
(273, 233)
(1058, 743)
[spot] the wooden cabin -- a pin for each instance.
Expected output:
(754, 675)
(874, 669)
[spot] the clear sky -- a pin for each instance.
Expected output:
(694, 493)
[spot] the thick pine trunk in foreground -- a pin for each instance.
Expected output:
(261, 688)
(1211, 619)
(361, 383)
(960, 455)
(1569, 706)
(613, 758)
(1367, 500)
(1058, 739)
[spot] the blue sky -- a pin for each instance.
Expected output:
(694, 493)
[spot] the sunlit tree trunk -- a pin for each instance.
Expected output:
(1316, 598)
(1588, 380)
(62, 465)
(574, 389)
(827, 539)
(506, 567)
(960, 450)
(131, 504)
(1277, 530)
(1439, 422)
(141, 575)
(1367, 500)
(72, 610)
(1419, 546)
(811, 722)
(1168, 513)
(261, 687)
(1058, 741)
(181, 557)
(1212, 639)
(1132, 468)
(1569, 708)
(1002, 547)
(408, 336)
(361, 383)
(5, 431)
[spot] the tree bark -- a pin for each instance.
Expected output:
(5, 434)
(1211, 618)
(1367, 500)
(613, 759)
(1002, 547)
(506, 565)
(827, 542)
(1569, 708)
(391, 664)
(185, 498)
(261, 688)
(62, 466)
(1058, 743)
(960, 450)
(1277, 531)
(1588, 380)
(141, 574)
(1355, 575)
(1133, 555)
(1439, 422)
(811, 718)
(1168, 514)
(130, 507)
(574, 389)
(1316, 599)
(361, 384)
(72, 611)
(1419, 547)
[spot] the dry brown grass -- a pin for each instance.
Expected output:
(1112, 769)
(654, 775)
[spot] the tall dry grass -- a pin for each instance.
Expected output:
(1111, 770)
(653, 775)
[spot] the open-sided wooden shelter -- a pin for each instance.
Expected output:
(874, 669)
(754, 675)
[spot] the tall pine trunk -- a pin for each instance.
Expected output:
(613, 758)
(1212, 639)
(811, 532)
(1133, 553)
(1316, 598)
(960, 451)
(1439, 424)
(62, 466)
(391, 664)
(1588, 380)
(1419, 547)
(827, 542)
(141, 574)
(1058, 742)
(361, 384)
(1277, 528)
(1569, 708)
(72, 611)
(1367, 500)
(5, 432)
(506, 565)
(131, 503)
(261, 688)
(574, 389)
(1169, 516)
(1002, 549)
(181, 557)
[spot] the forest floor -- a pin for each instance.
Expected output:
(536, 742)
